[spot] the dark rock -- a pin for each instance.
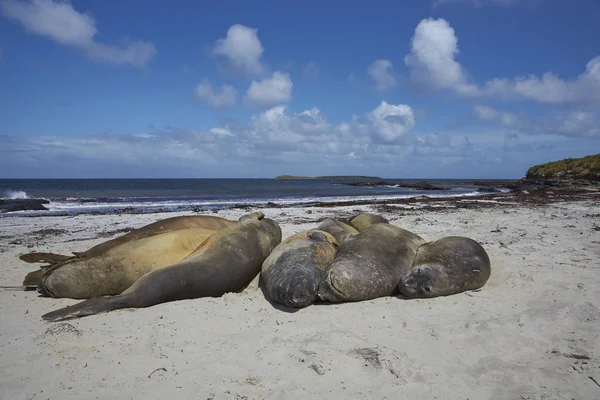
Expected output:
(416, 186)
(11, 205)
(488, 190)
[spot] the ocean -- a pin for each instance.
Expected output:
(75, 196)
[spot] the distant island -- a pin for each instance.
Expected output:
(570, 172)
(374, 178)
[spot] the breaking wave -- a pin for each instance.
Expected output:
(15, 195)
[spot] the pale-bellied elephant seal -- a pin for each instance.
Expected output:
(363, 221)
(449, 265)
(159, 227)
(227, 262)
(370, 264)
(119, 267)
(293, 271)
(339, 230)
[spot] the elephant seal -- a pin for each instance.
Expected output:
(117, 268)
(226, 262)
(339, 230)
(370, 264)
(160, 226)
(173, 224)
(363, 221)
(293, 271)
(449, 265)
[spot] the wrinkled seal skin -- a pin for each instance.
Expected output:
(227, 262)
(449, 265)
(293, 271)
(370, 264)
(159, 227)
(339, 230)
(363, 221)
(116, 269)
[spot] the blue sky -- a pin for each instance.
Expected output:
(411, 89)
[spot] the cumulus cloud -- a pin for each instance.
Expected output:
(225, 97)
(270, 91)
(433, 66)
(381, 71)
(60, 22)
(392, 122)
(550, 88)
(432, 63)
(579, 122)
(242, 49)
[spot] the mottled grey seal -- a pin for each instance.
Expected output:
(339, 230)
(227, 262)
(159, 227)
(293, 271)
(370, 264)
(363, 221)
(449, 265)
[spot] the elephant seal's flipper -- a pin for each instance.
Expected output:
(34, 278)
(39, 257)
(88, 307)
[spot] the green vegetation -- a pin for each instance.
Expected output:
(587, 168)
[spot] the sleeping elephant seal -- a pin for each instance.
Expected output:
(363, 221)
(370, 264)
(293, 271)
(118, 268)
(339, 230)
(155, 228)
(449, 265)
(226, 262)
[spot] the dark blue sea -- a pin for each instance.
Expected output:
(74, 196)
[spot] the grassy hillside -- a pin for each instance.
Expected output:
(587, 168)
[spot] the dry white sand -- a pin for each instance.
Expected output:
(533, 332)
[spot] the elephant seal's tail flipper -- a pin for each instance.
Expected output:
(91, 306)
(38, 257)
(34, 278)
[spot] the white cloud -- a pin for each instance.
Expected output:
(489, 114)
(243, 49)
(270, 91)
(60, 22)
(392, 122)
(433, 66)
(382, 73)
(310, 72)
(572, 123)
(431, 60)
(550, 88)
(224, 97)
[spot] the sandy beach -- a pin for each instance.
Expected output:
(532, 332)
